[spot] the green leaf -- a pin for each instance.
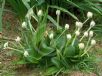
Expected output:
(56, 62)
(52, 71)
(69, 51)
(60, 43)
(45, 50)
(39, 34)
(52, 20)
(66, 11)
(19, 62)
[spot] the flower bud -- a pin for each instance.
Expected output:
(92, 24)
(67, 26)
(93, 42)
(69, 36)
(24, 25)
(18, 39)
(79, 24)
(89, 14)
(86, 34)
(58, 12)
(26, 53)
(81, 45)
(51, 36)
(40, 13)
(77, 33)
(5, 45)
(91, 34)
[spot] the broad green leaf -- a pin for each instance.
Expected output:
(69, 51)
(60, 43)
(45, 50)
(56, 62)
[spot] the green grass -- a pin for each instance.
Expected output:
(2, 2)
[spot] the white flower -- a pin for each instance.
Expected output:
(93, 42)
(69, 36)
(18, 39)
(0, 62)
(51, 36)
(67, 26)
(77, 33)
(89, 14)
(92, 24)
(5, 45)
(24, 25)
(91, 34)
(58, 12)
(40, 13)
(86, 34)
(81, 45)
(79, 24)
(26, 53)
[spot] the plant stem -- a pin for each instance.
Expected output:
(57, 22)
(85, 20)
(86, 47)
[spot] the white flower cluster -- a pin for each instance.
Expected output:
(89, 33)
(79, 25)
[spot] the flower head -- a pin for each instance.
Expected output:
(58, 12)
(26, 53)
(92, 24)
(24, 25)
(81, 45)
(86, 34)
(5, 45)
(18, 39)
(69, 36)
(51, 36)
(67, 26)
(89, 14)
(40, 13)
(77, 33)
(91, 34)
(79, 24)
(93, 42)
